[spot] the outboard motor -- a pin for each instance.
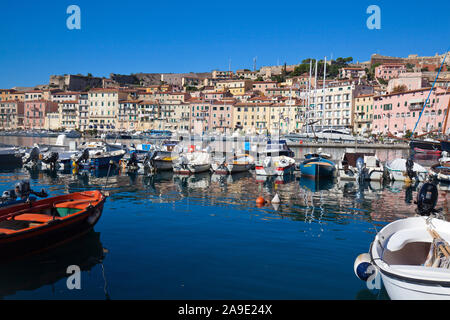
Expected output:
(409, 168)
(426, 199)
(133, 159)
(50, 158)
(21, 190)
(33, 156)
(83, 157)
(363, 173)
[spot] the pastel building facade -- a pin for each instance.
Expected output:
(362, 114)
(35, 113)
(11, 114)
(388, 71)
(398, 113)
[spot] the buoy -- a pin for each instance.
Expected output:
(260, 201)
(276, 199)
(361, 267)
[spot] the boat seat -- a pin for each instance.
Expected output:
(402, 237)
(68, 207)
(35, 217)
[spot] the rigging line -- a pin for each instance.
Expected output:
(429, 93)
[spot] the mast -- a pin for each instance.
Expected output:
(315, 91)
(309, 93)
(324, 79)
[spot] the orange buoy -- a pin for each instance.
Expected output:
(260, 201)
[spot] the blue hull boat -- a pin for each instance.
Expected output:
(315, 166)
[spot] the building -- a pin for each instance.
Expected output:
(68, 114)
(217, 74)
(128, 115)
(408, 81)
(334, 104)
(252, 117)
(35, 113)
(199, 116)
(236, 87)
(104, 108)
(263, 86)
(221, 115)
(83, 112)
(362, 114)
(351, 73)
(389, 71)
(398, 113)
(11, 114)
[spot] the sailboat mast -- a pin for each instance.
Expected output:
(324, 79)
(315, 91)
(444, 129)
(309, 93)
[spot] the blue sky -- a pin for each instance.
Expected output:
(194, 36)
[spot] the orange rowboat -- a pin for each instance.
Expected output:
(31, 227)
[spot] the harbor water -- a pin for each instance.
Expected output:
(203, 237)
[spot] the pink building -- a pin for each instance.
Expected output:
(388, 71)
(221, 115)
(217, 95)
(262, 86)
(35, 113)
(398, 112)
(199, 115)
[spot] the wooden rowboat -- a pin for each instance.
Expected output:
(39, 225)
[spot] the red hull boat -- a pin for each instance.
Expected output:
(425, 151)
(40, 225)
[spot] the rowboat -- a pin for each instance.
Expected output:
(401, 169)
(192, 162)
(275, 166)
(411, 255)
(317, 165)
(236, 164)
(34, 226)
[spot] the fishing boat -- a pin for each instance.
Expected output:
(427, 144)
(165, 155)
(192, 162)
(239, 163)
(401, 170)
(411, 255)
(361, 166)
(318, 165)
(38, 225)
(425, 151)
(275, 166)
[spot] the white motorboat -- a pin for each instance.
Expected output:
(239, 163)
(411, 255)
(192, 162)
(361, 166)
(275, 166)
(399, 168)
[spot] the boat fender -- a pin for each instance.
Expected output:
(362, 268)
(276, 199)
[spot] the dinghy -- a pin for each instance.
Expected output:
(412, 255)
(192, 162)
(275, 166)
(318, 165)
(401, 170)
(38, 225)
(240, 163)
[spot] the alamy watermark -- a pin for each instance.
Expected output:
(374, 20)
(74, 20)
(74, 280)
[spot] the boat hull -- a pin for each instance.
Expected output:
(230, 168)
(191, 169)
(425, 145)
(317, 169)
(52, 234)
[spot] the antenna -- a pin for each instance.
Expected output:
(254, 63)
(229, 64)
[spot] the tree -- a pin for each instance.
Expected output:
(400, 88)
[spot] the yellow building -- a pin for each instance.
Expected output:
(251, 117)
(104, 108)
(236, 87)
(362, 114)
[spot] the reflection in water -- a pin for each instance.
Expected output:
(47, 268)
(339, 218)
